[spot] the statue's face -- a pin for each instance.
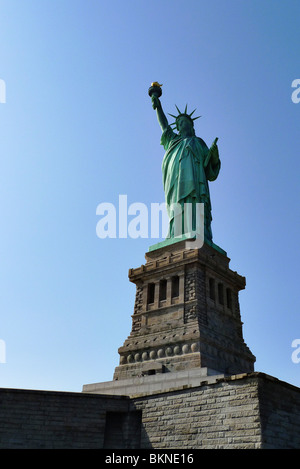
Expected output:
(185, 126)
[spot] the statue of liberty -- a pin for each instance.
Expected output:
(187, 166)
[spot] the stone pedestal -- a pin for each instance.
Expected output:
(186, 315)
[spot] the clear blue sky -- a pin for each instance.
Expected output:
(78, 129)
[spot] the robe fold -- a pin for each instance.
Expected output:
(185, 177)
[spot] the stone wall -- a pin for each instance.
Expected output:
(47, 420)
(246, 411)
(222, 415)
(279, 413)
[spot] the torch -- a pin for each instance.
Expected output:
(155, 90)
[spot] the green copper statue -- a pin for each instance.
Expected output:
(188, 164)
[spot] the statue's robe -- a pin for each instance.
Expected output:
(185, 176)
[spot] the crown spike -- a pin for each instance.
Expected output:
(185, 111)
(178, 109)
(192, 112)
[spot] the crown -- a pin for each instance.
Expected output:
(183, 114)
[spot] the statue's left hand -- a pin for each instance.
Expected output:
(214, 151)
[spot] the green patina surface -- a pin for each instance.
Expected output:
(172, 241)
(188, 165)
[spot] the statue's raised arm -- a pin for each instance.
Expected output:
(155, 93)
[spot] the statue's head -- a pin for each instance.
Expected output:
(185, 125)
(185, 122)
